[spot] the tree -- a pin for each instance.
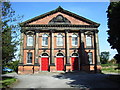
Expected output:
(104, 57)
(113, 61)
(10, 30)
(113, 15)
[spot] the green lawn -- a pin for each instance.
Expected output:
(108, 64)
(6, 81)
(110, 68)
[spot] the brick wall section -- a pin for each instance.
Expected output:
(29, 69)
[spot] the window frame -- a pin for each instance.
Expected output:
(44, 41)
(28, 57)
(90, 41)
(28, 40)
(90, 62)
(74, 36)
(59, 36)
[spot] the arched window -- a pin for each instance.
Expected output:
(74, 40)
(29, 40)
(59, 40)
(44, 40)
(75, 55)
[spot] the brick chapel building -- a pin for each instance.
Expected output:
(59, 40)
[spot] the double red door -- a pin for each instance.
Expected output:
(60, 64)
(44, 64)
(75, 63)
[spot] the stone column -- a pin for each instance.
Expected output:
(52, 47)
(21, 48)
(97, 48)
(95, 52)
(36, 48)
(81, 48)
(67, 47)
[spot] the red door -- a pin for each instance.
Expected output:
(75, 63)
(60, 64)
(44, 64)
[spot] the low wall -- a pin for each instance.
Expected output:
(36, 69)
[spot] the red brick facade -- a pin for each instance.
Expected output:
(53, 57)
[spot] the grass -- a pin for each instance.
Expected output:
(109, 64)
(7, 81)
(110, 68)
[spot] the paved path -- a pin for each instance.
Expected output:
(65, 80)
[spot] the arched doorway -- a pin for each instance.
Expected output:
(74, 61)
(59, 62)
(44, 62)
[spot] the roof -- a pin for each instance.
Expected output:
(60, 9)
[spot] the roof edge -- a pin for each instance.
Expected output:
(60, 9)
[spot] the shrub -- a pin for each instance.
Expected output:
(113, 61)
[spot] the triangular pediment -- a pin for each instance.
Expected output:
(59, 16)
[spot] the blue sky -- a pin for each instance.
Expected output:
(95, 11)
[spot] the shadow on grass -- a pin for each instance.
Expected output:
(7, 77)
(7, 81)
(85, 81)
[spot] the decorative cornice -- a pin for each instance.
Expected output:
(39, 29)
(59, 25)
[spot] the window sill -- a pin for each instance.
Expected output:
(89, 46)
(31, 48)
(29, 63)
(74, 45)
(45, 46)
(59, 46)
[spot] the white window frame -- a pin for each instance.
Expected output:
(44, 42)
(88, 40)
(74, 36)
(61, 37)
(29, 44)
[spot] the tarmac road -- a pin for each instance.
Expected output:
(79, 80)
